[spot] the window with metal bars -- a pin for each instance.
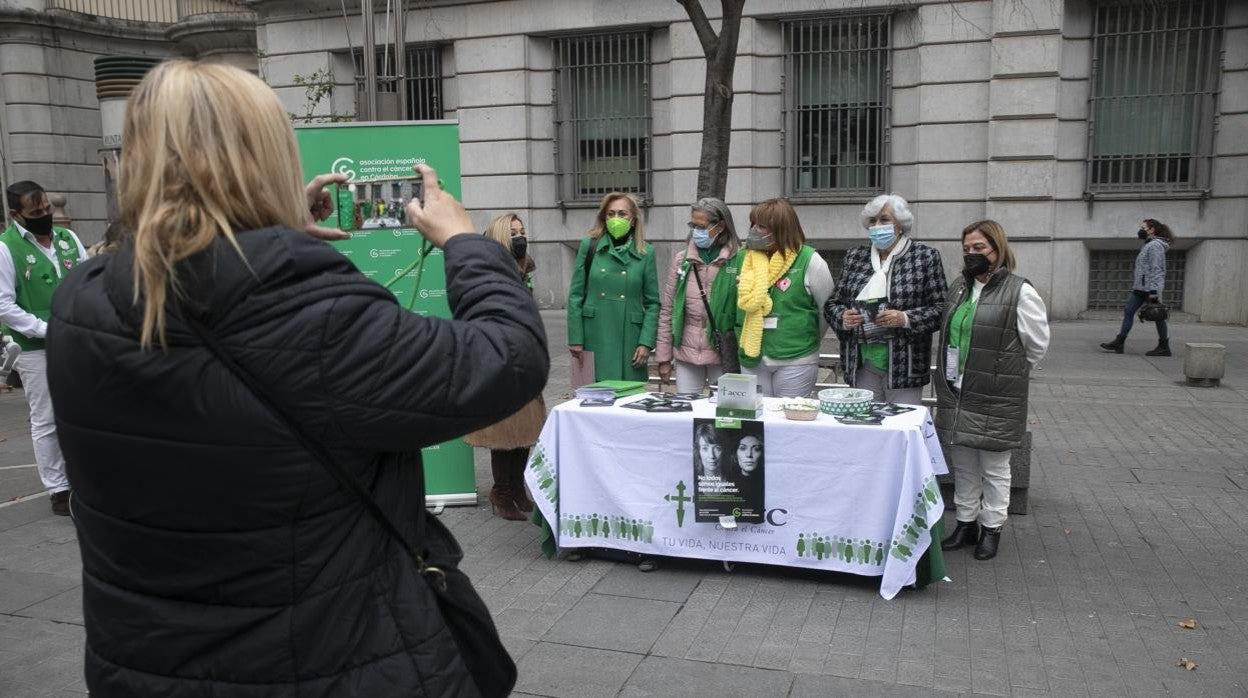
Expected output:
(1155, 71)
(1110, 272)
(423, 73)
(836, 97)
(602, 115)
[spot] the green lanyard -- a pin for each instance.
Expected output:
(419, 265)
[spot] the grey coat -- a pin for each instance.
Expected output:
(1150, 267)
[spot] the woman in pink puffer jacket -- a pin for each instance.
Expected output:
(705, 266)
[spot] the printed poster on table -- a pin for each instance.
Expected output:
(728, 472)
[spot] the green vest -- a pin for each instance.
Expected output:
(797, 329)
(721, 296)
(36, 279)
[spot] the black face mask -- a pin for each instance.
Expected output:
(975, 264)
(1142, 234)
(39, 226)
(519, 247)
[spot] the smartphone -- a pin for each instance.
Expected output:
(344, 202)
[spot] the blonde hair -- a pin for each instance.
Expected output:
(994, 232)
(600, 221)
(500, 231)
(209, 151)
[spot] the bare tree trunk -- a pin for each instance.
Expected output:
(721, 60)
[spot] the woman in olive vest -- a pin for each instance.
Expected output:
(995, 329)
(701, 276)
(613, 300)
(509, 441)
(782, 285)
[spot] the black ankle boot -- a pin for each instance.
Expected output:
(964, 534)
(988, 542)
(1163, 349)
(1115, 346)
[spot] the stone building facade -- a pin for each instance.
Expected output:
(1068, 121)
(50, 127)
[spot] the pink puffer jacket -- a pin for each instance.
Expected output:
(694, 347)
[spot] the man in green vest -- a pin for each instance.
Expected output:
(34, 257)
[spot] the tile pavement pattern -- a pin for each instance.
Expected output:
(1139, 519)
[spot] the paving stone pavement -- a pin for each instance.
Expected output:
(1138, 519)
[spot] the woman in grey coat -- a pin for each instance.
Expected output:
(1147, 283)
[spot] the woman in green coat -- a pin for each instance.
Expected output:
(613, 301)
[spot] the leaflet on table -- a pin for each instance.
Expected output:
(728, 472)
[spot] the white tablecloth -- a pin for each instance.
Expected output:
(858, 499)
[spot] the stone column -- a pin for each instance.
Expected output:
(224, 37)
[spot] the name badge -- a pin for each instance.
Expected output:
(771, 322)
(951, 363)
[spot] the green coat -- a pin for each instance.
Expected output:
(618, 311)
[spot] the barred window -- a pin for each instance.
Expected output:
(602, 115)
(836, 96)
(423, 73)
(1110, 272)
(1155, 69)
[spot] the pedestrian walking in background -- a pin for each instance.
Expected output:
(701, 276)
(783, 283)
(888, 304)
(995, 330)
(215, 421)
(613, 299)
(35, 257)
(509, 441)
(1148, 280)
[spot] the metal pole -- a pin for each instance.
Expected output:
(400, 60)
(370, 61)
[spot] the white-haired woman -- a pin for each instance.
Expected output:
(888, 304)
(701, 276)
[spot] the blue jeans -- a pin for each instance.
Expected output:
(1134, 302)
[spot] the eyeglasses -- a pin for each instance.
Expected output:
(709, 226)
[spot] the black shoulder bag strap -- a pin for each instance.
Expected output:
(346, 480)
(589, 261)
(463, 612)
(710, 318)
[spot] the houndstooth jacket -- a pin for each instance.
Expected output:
(916, 286)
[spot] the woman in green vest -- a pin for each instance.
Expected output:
(783, 284)
(613, 301)
(701, 276)
(995, 329)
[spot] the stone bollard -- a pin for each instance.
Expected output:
(1205, 364)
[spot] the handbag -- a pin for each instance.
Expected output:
(1154, 312)
(725, 341)
(463, 612)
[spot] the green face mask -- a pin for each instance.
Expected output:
(619, 227)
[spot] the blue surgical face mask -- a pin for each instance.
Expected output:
(882, 235)
(701, 238)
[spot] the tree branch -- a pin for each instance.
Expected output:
(701, 25)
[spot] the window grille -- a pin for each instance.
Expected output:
(837, 111)
(1109, 278)
(423, 75)
(1155, 70)
(602, 115)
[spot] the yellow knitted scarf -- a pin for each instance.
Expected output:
(758, 274)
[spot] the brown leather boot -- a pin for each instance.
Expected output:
(502, 497)
(519, 459)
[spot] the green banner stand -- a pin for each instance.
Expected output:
(376, 150)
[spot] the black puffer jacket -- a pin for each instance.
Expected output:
(219, 559)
